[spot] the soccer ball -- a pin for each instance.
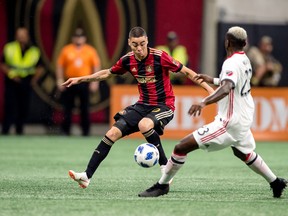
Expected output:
(146, 155)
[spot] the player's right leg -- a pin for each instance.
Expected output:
(100, 153)
(244, 150)
(175, 162)
(258, 165)
(80, 178)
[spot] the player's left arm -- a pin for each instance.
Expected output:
(222, 91)
(192, 75)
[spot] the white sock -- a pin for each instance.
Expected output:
(174, 163)
(257, 164)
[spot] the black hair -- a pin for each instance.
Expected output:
(137, 32)
(235, 42)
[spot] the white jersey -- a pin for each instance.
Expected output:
(237, 108)
(231, 126)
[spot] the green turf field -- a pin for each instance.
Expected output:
(34, 181)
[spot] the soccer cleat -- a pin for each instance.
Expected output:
(162, 169)
(155, 191)
(278, 186)
(81, 178)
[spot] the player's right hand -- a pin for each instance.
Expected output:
(71, 81)
(195, 109)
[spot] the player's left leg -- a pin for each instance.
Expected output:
(152, 127)
(258, 165)
(146, 127)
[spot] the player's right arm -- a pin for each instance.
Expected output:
(98, 76)
(222, 91)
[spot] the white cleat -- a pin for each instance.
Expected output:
(162, 169)
(81, 178)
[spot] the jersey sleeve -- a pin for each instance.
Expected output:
(119, 67)
(229, 71)
(170, 63)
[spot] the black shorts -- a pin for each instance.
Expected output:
(160, 115)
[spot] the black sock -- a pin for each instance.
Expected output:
(153, 138)
(98, 156)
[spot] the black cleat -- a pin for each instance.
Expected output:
(278, 186)
(155, 191)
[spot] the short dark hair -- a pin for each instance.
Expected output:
(235, 42)
(137, 32)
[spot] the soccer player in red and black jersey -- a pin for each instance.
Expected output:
(155, 107)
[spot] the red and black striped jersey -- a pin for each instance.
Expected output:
(152, 75)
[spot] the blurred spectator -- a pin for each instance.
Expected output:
(266, 69)
(22, 67)
(177, 51)
(77, 59)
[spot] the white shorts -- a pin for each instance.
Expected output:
(214, 137)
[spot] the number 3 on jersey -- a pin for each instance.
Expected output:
(201, 131)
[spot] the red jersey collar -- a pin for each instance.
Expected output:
(239, 52)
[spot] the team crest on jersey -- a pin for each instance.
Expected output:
(229, 73)
(156, 110)
(134, 69)
(149, 68)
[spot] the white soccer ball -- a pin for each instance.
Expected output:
(146, 155)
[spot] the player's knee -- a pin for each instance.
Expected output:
(179, 149)
(145, 124)
(122, 126)
(114, 134)
(239, 154)
(186, 145)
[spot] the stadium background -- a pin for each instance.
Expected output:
(107, 24)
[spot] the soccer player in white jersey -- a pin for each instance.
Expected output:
(232, 124)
